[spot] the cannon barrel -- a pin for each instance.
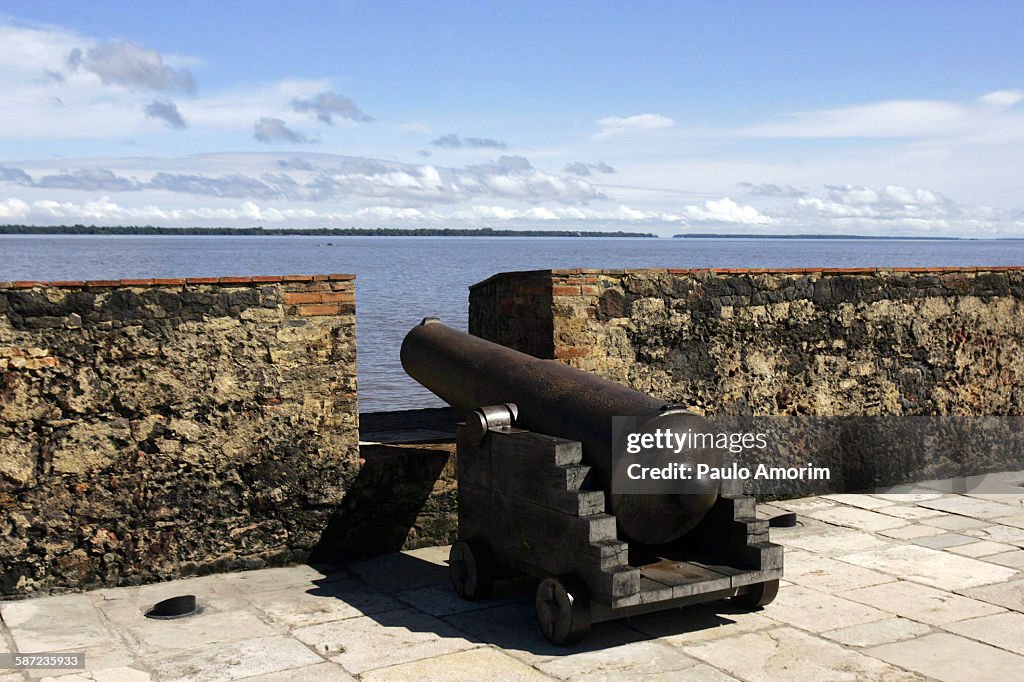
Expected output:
(552, 398)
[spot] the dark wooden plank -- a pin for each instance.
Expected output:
(751, 577)
(611, 553)
(652, 591)
(540, 448)
(686, 579)
(750, 525)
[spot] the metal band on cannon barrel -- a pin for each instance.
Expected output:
(552, 398)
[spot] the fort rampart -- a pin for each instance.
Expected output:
(915, 341)
(157, 428)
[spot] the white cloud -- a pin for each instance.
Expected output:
(127, 64)
(894, 209)
(1002, 99)
(990, 114)
(14, 209)
(612, 126)
(904, 118)
(637, 122)
(725, 210)
(107, 96)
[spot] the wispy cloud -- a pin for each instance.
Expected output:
(619, 125)
(413, 128)
(587, 169)
(339, 179)
(271, 130)
(768, 189)
(88, 180)
(899, 119)
(455, 142)
(326, 105)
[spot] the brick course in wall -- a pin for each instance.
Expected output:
(154, 428)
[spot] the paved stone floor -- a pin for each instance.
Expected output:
(927, 585)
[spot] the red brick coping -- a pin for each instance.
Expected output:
(750, 271)
(176, 281)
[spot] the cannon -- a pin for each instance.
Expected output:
(536, 460)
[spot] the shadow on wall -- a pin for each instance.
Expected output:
(404, 497)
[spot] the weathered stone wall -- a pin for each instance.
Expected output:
(158, 428)
(912, 341)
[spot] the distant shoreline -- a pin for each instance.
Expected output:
(710, 235)
(305, 232)
(132, 230)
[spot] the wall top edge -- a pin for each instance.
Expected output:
(174, 281)
(747, 271)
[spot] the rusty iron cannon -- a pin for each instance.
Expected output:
(536, 460)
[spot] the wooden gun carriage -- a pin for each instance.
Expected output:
(534, 466)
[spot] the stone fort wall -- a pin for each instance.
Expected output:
(151, 429)
(826, 342)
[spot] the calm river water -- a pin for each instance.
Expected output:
(403, 279)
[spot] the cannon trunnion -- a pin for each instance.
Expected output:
(539, 501)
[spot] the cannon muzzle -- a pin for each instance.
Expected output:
(552, 398)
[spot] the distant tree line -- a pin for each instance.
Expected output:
(313, 231)
(717, 235)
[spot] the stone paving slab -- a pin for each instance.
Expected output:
(1004, 630)
(390, 638)
(328, 672)
(830, 575)
(911, 532)
(981, 548)
(465, 666)
(1009, 594)
(1013, 559)
(971, 506)
(945, 540)
(950, 658)
(931, 566)
(513, 628)
(999, 533)
(878, 632)
(1016, 521)
(833, 542)
(883, 587)
(921, 603)
(908, 512)
(336, 600)
(788, 654)
(954, 523)
(233, 660)
(679, 627)
(854, 517)
(818, 611)
(649, 660)
(873, 502)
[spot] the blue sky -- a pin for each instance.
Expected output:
(871, 118)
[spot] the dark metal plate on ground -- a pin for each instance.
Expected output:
(175, 607)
